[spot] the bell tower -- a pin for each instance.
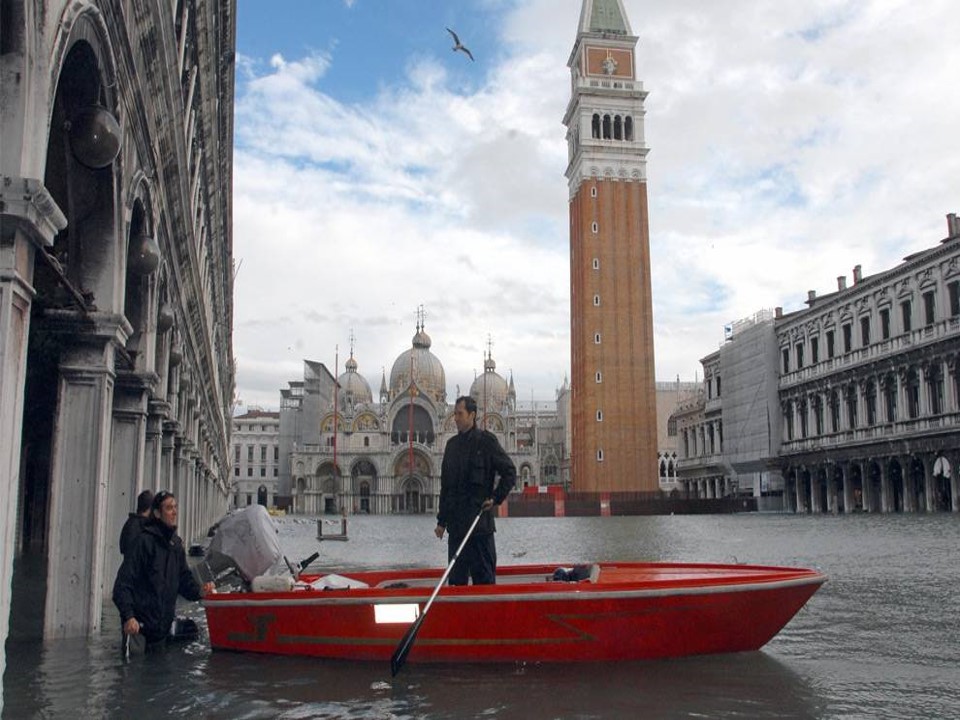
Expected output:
(613, 403)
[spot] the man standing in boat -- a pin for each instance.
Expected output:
(472, 462)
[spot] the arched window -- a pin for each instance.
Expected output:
(595, 126)
(628, 129)
(617, 128)
(606, 127)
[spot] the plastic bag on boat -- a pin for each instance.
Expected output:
(573, 574)
(332, 581)
(248, 537)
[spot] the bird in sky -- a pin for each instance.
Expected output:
(457, 45)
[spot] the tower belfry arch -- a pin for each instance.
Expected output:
(613, 401)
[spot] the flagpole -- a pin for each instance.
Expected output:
(336, 397)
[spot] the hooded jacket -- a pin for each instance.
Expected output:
(153, 573)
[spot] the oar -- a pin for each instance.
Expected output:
(403, 649)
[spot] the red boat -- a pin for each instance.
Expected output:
(600, 612)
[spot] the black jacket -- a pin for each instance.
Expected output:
(153, 572)
(131, 530)
(468, 476)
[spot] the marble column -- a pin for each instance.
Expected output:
(80, 479)
(29, 220)
(849, 499)
(887, 504)
(127, 467)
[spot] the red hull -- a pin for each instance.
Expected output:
(627, 611)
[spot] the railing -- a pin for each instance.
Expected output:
(881, 349)
(610, 84)
(858, 436)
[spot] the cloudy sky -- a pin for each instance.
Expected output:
(375, 171)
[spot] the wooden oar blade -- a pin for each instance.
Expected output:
(399, 656)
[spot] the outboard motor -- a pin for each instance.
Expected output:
(246, 539)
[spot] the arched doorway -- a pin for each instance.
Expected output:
(412, 418)
(412, 495)
(362, 474)
(262, 495)
(873, 488)
(895, 479)
(942, 495)
(68, 390)
(327, 482)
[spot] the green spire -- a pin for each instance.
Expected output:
(607, 16)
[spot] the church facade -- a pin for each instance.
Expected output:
(343, 450)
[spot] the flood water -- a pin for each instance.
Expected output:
(880, 640)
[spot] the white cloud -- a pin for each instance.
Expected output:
(789, 142)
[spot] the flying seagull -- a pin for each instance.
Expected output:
(457, 45)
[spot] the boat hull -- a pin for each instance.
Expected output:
(627, 611)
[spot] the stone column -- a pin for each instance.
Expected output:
(909, 487)
(886, 488)
(923, 401)
(815, 499)
(153, 445)
(954, 460)
(80, 479)
(801, 505)
(849, 501)
(127, 461)
(929, 482)
(830, 490)
(29, 220)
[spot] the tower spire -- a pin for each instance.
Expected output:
(604, 16)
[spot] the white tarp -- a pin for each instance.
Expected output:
(249, 538)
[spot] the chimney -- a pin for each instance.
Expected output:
(841, 282)
(811, 296)
(953, 225)
(857, 274)
(778, 312)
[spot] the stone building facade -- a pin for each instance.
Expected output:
(116, 371)
(855, 399)
(256, 459)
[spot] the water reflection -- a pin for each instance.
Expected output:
(750, 685)
(880, 639)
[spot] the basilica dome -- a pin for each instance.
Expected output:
(421, 364)
(354, 388)
(490, 390)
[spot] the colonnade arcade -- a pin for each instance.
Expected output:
(926, 481)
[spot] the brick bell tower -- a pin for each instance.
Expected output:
(613, 404)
